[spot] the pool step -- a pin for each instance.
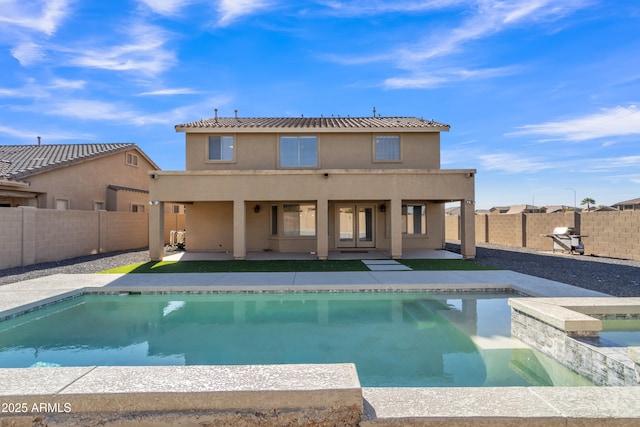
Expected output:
(420, 314)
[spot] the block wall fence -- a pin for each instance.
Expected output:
(612, 234)
(31, 236)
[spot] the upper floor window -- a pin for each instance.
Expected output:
(387, 148)
(132, 159)
(298, 151)
(221, 148)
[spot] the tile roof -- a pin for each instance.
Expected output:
(315, 123)
(19, 161)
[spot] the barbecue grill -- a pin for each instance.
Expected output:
(564, 239)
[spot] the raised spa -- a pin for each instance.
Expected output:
(395, 339)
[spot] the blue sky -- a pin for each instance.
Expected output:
(542, 95)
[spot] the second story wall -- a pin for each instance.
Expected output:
(353, 150)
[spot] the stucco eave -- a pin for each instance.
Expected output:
(315, 172)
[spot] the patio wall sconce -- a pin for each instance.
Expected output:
(256, 208)
(326, 175)
(383, 208)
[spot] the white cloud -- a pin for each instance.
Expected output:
(144, 53)
(513, 163)
(46, 135)
(89, 110)
(421, 80)
(163, 92)
(27, 53)
(610, 122)
(231, 10)
(165, 7)
(43, 16)
(483, 19)
(359, 8)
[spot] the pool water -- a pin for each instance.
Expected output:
(621, 332)
(394, 339)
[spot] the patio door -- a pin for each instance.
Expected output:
(355, 225)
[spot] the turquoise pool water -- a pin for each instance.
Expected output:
(395, 339)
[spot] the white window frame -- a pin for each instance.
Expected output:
(131, 159)
(299, 164)
(222, 152)
(67, 203)
(380, 138)
(137, 208)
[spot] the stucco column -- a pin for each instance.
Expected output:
(395, 210)
(468, 229)
(239, 229)
(156, 231)
(322, 229)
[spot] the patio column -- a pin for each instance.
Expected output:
(239, 229)
(156, 230)
(395, 210)
(322, 229)
(467, 229)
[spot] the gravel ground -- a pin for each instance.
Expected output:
(609, 275)
(612, 276)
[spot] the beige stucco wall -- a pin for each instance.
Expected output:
(86, 182)
(335, 151)
(33, 235)
(211, 225)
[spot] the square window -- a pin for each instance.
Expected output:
(299, 220)
(221, 148)
(387, 148)
(299, 151)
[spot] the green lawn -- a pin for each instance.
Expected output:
(284, 266)
(444, 264)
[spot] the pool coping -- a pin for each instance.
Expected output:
(520, 406)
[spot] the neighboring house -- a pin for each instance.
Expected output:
(111, 177)
(628, 205)
(313, 185)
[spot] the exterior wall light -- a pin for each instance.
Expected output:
(256, 208)
(154, 203)
(383, 208)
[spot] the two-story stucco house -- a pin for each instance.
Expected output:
(313, 185)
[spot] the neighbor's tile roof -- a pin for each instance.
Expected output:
(18, 161)
(314, 123)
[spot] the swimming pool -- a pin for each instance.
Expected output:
(396, 339)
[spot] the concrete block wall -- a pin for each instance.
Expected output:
(31, 235)
(538, 224)
(64, 234)
(506, 229)
(123, 231)
(612, 234)
(615, 234)
(452, 227)
(11, 241)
